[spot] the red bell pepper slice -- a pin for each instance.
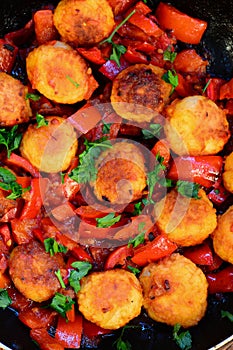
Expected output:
(200, 254)
(111, 69)
(86, 211)
(8, 53)
(85, 119)
(120, 6)
(93, 55)
(226, 90)
(45, 341)
(218, 195)
(222, 281)
(146, 24)
(34, 198)
(91, 330)
(119, 257)
(142, 8)
(74, 247)
(23, 163)
(45, 29)
(22, 35)
(160, 247)
(70, 314)
(69, 333)
(185, 28)
(22, 230)
(37, 317)
(161, 148)
(133, 56)
(203, 170)
(184, 87)
(4, 281)
(188, 61)
(6, 235)
(213, 88)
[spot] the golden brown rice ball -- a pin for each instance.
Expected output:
(186, 221)
(195, 126)
(50, 148)
(228, 173)
(84, 22)
(14, 106)
(223, 236)
(60, 73)
(175, 291)
(121, 175)
(139, 93)
(33, 271)
(111, 298)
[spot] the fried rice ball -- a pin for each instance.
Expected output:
(121, 175)
(223, 236)
(33, 271)
(83, 22)
(195, 126)
(111, 298)
(141, 91)
(60, 73)
(14, 106)
(175, 291)
(228, 173)
(52, 147)
(186, 221)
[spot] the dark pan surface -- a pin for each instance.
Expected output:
(217, 46)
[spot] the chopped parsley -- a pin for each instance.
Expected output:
(172, 78)
(53, 247)
(154, 131)
(182, 339)
(133, 269)
(59, 277)
(169, 56)
(108, 220)
(33, 97)
(61, 303)
(154, 177)
(121, 344)
(72, 81)
(188, 189)
(139, 239)
(82, 269)
(137, 209)
(117, 50)
(86, 170)
(10, 138)
(41, 121)
(106, 128)
(206, 86)
(8, 183)
(5, 300)
(227, 314)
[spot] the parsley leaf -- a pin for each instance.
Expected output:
(117, 50)
(32, 97)
(59, 276)
(10, 138)
(83, 268)
(139, 239)
(137, 209)
(183, 339)
(133, 269)
(169, 56)
(41, 121)
(5, 300)
(53, 247)
(61, 303)
(8, 183)
(227, 314)
(154, 176)
(155, 131)
(86, 170)
(121, 344)
(206, 86)
(72, 81)
(106, 128)
(172, 78)
(108, 220)
(188, 189)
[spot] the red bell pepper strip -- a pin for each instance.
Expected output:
(146, 24)
(222, 281)
(188, 61)
(218, 195)
(4, 281)
(45, 341)
(23, 163)
(160, 247)
(120, 6)
(6, 235)
(69, 333)
(213, 88)
(203, 170)
(185, 28)
(119, 257)
(34, 198)
(111, 69)
(38, 234)
(21, 36)
(200, 254)
(36, 317)
(74, 247)
(142, 8)
(24, 181)
(133, 56)
(8, 53)
(226, 90)
(93, 54)
(161, 148)
(70, 314)
(45, 29)
(86, 211)
(91, 330)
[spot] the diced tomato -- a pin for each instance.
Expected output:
(45, 341)
(8, 53)
(203, 170)
(69, 333)
(37, 317)
(200, 254)
(91, 330)
(221, 281)
(92, 54)
(44, 26)
(111, 69)
(185, 28)
(119, 257)
(226, 90)
(188, 61)
(161, 148)
(160, 247)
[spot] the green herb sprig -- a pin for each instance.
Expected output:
(140, 238)
(182, 339)
(82, 269)
(154, 131)
(5, 300)
(61, 303)
(53, 247)
(108, 220)
(172, 78)
(11, 139)
(8, 183)
(188, 189)
(41, 121)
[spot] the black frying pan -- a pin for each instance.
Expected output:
(217, 46)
